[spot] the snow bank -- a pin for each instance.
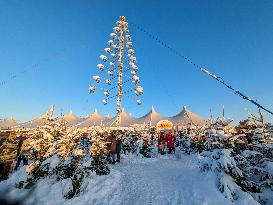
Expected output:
(163, 180)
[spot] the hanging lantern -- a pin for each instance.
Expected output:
(131, 51)
(110, 73)
(136, 79)
(114, 36)
(114, 55)
(96, 78)
(117, 23)
(129, 44)
(135, 68)
(128, 37)
(116, 29)
(103, 58)
(110, 42)
(116, 47)
(104, 101)
(100, 67)
(91, 89)
(106, 93)
(139, 102)
(133, 59)
(139, 90)
(112, 64)
(108, 82)
(107, 50)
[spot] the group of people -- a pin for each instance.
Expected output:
(114, 148)
(166, 142)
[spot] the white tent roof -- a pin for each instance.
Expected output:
(151, 116)
(126, 120)
(7, 123)
(71, 119)
(37, 122)
(94, 119)
(182, 118)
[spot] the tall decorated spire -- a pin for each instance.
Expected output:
(118, 68)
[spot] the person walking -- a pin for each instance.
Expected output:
(170, 138)
(113, 149)
(118, 148)
(161, 143)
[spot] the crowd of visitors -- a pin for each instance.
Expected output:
(114, 148)
(166, 142)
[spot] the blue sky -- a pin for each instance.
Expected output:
(53, 46)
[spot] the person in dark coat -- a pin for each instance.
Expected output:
(170, 138)
(161, 143)
(118, 148)
(113, 149)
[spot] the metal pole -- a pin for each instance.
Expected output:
(120, 66)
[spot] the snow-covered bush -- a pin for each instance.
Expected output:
(129, 144)
(56, 156)
(68, 144)
(99, 152)
(230, 176)
(69, 170)
(259, 169)
(43, 141)
(146, 145)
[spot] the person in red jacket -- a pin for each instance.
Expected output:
(170, 138)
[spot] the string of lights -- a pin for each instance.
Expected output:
(119, 56)
(204, 70)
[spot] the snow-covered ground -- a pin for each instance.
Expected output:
(161, 180)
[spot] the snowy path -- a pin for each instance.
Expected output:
(164, 181)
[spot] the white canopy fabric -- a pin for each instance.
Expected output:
(95, 119)
(151, 117)
(7, 123)
(37, 122)
(185, 117)
(71, 119)
(126, 120)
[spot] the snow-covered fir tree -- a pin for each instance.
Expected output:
(146, 145)
(99, 152)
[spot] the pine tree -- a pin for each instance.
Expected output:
(99, 152)
(146, 146)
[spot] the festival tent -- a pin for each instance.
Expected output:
(37, 122)
(71, 119)
(185, 117)
(126, 120)
(93, 120)
(7, 123)
(151, 117)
